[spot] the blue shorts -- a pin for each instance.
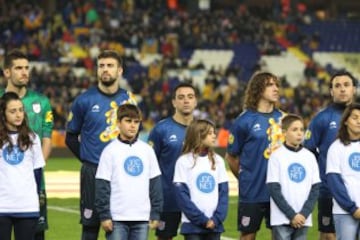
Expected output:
(88, 214)
(169, 224)
(250, 216)
(325, 215)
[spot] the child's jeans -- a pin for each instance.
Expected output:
(205, 236)
(129, 230)
(286, 232)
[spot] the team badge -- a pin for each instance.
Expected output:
(151, 143)
(88, 213)
(245, 221)
(36, 107)
(307, 134)
(161, 225)
(325, 221)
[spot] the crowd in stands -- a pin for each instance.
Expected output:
(67, 42)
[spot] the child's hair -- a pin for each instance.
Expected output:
(25, 134)
(128, 110)
(343, 133)
(195, 134)
(288, 120)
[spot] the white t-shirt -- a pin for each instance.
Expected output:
(18, 190)
(129, 168)
(201, 180)
(345, 160)
(296, 172)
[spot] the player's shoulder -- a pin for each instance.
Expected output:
(35, 94)
(164, 124)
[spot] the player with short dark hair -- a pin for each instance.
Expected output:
(40, 117)
(91, 126)
(167, 140)
(320, 134)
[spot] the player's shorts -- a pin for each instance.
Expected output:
(250, 216)
(169, 224)
(325, 215)
(88, 214)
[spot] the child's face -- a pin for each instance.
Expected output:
(294, 135)
(353, 124)
(129, 128)
(14, 114)
(210, 139)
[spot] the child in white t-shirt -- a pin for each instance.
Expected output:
(128, 194)
(343, 174)
(20, 156)
(293, 182)
(201, 184)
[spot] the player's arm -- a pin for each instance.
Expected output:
(46, 147)
(47, 127)
(233, 162)
(73, 143)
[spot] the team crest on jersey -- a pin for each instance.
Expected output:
(307, 134)
(151, 143)
(13, 156)
(245, 221)
(36, 107)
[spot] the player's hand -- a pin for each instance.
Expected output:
(107, 225)
(356, 214)
(153, 224)
(298, 221)
(210, 224)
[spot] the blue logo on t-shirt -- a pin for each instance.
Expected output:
(13, 157)
(205, 182)
(133, 166)
(296, 172)
(354, 161)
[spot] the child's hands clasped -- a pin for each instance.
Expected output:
(298, 221)
(210, 224)
(107, 225)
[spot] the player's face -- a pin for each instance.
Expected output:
(353, 124)
(18, 73)
(185, 100)
(343, 90)
(210, 139)
(14, 114)
(294, 135)
(129, 128)
(108, 71)
(271, 91)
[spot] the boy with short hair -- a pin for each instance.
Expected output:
(293, 182)
(128, 193)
